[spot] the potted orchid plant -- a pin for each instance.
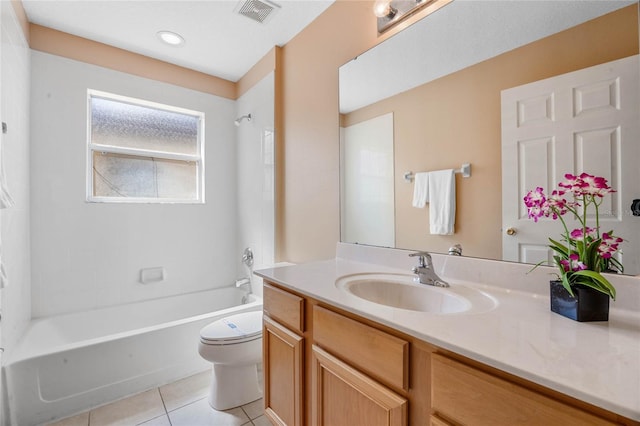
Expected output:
(583, 253)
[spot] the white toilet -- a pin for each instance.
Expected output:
(234, 346)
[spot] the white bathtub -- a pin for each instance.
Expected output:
(69, 363)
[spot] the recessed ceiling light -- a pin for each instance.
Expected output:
(170, 38)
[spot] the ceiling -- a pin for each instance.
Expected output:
(219, 41)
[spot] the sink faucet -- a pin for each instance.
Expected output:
(424, 270)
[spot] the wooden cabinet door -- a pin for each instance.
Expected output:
(341, 395)
(283, 372)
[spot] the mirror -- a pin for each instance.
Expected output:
(441, 81)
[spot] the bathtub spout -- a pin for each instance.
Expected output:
(245, 282)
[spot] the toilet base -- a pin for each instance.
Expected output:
(234, 385)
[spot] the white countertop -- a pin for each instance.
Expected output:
(596, 362)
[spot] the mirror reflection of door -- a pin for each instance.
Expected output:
(367, 182)
(584, 121)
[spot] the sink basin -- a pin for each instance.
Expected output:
(400, 291)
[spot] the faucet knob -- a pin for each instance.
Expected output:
(455, 250)
(424, 258)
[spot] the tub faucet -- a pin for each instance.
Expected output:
(424, 270)
(245, 282)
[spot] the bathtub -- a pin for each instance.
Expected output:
(69, 363)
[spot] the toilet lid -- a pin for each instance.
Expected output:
(233, 329)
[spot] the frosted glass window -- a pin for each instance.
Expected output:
(135, 126)
(141, 151)
(118, 175)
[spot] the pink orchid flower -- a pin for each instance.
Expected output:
(577, 234)
(573, 263)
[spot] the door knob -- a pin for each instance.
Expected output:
(511, 231)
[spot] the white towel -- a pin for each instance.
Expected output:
(420, 189)
(442, 201)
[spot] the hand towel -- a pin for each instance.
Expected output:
(420, 189)
(442, 201)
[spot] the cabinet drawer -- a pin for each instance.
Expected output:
(285, 307)
(378, 354)
(467, 395)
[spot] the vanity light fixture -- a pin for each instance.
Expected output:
(383, 9)
(391, 12)
(170, 38)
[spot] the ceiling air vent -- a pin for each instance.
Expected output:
(257, 10)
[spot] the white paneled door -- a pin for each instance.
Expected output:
(583, 121)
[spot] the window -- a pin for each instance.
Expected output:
(141, 151)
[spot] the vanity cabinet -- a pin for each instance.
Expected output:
(327, 366)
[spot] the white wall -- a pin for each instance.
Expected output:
(14, 146)
(256, 205)
(87, 255)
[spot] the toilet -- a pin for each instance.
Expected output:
(234, 345)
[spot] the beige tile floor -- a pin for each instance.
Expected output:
(181, 403)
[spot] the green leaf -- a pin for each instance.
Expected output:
(592, 257)
(560, 248)
(616, 264)
(604, 285)
(567, 285)
(536, 265)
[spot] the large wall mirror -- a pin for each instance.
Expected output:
(430, 98)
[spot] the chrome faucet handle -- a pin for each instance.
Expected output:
(425, 272)
(247, 257)
(424, 259)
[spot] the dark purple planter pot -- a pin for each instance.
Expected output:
(588, 305)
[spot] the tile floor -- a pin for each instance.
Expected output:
(181, 403)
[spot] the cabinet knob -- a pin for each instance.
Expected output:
(511, 231)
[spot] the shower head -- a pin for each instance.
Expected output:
(239, 120)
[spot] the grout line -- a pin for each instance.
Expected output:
(166, 412)
(162, 399)
(188, 403)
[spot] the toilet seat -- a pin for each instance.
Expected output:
(234, 329)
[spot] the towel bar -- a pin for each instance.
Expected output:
(465, 171)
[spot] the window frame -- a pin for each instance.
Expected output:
(197, 158)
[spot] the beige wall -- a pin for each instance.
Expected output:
(308, 223)
(257, 72)
(458, 118)
(91, 52)
(81, 49)
(22, 17)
